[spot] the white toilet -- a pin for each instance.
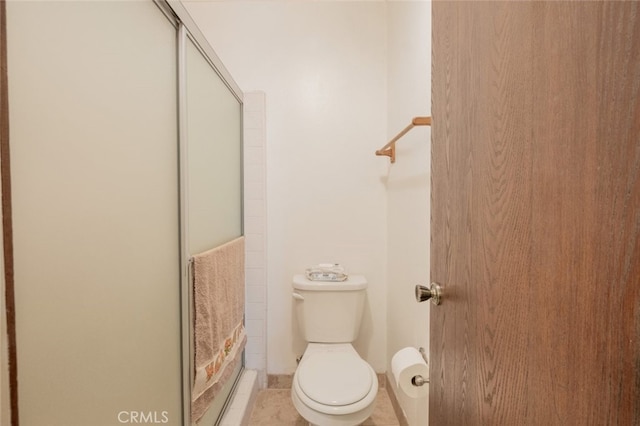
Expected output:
(332, 385)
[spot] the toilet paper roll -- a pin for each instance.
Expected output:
(405, 365)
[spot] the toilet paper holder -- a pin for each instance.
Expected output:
(418, 380)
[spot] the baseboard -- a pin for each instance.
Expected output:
(391, 391)
(284, 381)
(279, 381)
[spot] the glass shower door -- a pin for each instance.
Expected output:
(212, 143)
(93, 120)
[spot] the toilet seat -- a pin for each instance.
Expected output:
(335, 378)
(312, 383)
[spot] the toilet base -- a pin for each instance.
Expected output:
(316, 418)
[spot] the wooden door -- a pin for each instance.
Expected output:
(536, 213)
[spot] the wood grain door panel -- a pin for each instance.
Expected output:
(536, 213)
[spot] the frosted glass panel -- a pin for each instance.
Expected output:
(96, 230)
(214, 156)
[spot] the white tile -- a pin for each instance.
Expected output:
(255, 311)
(256, 294)
(254, 190)
(254, 208)
(254, 173)
(254, 243)
(255, 345)
(254, 225)
(253, 155)
(254, 327)
(254, 259)
(254, 123)
(257, 361)
(255, 277)
(254, 137)
(254, 120)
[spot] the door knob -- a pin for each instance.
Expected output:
(433, 292)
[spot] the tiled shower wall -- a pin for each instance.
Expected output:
(255, 233)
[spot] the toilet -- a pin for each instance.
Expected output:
(333, 385)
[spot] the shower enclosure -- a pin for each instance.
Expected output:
(125, 136)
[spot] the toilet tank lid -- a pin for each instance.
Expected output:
(353, 282)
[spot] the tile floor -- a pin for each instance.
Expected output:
(274, 407)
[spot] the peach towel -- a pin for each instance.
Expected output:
(218, 298)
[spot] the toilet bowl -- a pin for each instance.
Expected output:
(333, 386)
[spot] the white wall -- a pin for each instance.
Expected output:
(322, 66)
(408, 209)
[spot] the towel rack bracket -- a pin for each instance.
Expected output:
(389, 152)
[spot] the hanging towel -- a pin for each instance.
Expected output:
(218, 298)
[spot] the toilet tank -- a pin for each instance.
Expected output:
(329, 312)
